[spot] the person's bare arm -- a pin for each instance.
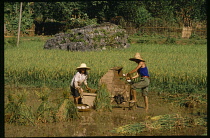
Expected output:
(135, 70)
(136, 76)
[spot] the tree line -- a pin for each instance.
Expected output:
(81, 13)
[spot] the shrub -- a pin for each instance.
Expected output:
(10, 42)
(170, 40)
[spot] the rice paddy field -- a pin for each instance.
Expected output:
(178, 73)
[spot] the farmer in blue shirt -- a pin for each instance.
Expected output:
(142, 72)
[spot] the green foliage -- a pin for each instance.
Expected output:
(170, 40)
(120, 34)
(194, 36)
(142, 16)
(50, 10)
(11, 17)
(142, 41)
(169, 67)
(77, 23)
(17, 112)
(45, 112)
(10, 42)
(79, 14)
(103, 100)
(44, 94)
(96, 31)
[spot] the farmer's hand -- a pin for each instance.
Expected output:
(88, 88)
(127, 78)
(78, 88)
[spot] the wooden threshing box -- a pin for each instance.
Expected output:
(116, 84)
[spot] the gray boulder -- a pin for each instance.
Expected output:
(91, 37)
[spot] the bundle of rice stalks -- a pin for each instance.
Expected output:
(45, 112)
(161, 122)
(130, 128)
(17, 112)
(67, 110)
(91, 90)
(168, 121)
(103, 100)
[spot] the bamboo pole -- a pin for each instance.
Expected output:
(18, 39)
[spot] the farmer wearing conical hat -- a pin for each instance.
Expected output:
(79, 78)
(142, 72)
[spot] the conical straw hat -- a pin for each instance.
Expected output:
(83, 66)
(137, 56)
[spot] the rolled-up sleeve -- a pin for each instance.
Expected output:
(85, 81)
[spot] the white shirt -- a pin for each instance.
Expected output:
(78, 79)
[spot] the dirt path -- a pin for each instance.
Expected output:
(98, 123)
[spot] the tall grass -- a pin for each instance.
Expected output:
(173, 68)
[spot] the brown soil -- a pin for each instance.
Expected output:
(100, 123)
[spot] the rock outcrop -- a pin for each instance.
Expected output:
(92, 37)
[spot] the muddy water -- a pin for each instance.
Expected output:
(99, 123)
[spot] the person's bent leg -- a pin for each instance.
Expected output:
(76, 99)
(146, 103)
(144, 94)
(134, 94)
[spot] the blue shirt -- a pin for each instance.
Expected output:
(143, 71)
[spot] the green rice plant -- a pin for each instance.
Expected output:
(66, 93)
(17, 112)
(172, 69)
(45, 112)
(160, 122)
(103, 100)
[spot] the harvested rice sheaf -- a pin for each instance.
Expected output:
(67, 110)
